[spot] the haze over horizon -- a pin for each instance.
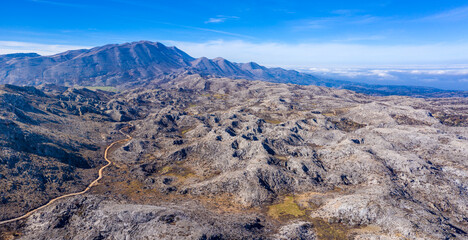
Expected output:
(425, 42)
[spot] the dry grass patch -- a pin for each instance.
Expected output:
(309, 200)
(185, 130)
(10, 235)
(224, 203)
(367, 229)
(347, 125)
(220, 96)
(329, 231)
(287, 209)
(273, 121)
(315, 146)
(335, 112)
(452, 120)
(281, 157)
(405, 120)
(300, 206)
(132, 189)
(215, 95)
(182, 173)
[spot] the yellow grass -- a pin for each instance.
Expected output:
(286, 209)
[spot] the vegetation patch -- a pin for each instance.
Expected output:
(182, 173)
(223, 202)
(10, 235)
(131, 189)
(335, 112)
(149, 157)
(347, 125)
(372, 229)
(281, 157)
(300, 207)
(287, 209)
(185, 130)
(452, 120)
(309, 200)
(329, 231)
(405, 120)
(273, 121)
(191, 109)
(220, 96)
(313, 145)
(215, 95)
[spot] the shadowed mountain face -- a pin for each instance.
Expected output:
(140, 63)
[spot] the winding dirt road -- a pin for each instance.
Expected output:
(92, 184)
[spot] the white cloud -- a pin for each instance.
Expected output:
(462, 71)
(27, 47)
(450, 15)
(220, 19)
(299, 55)
(446, 77)
(63, 4)
(328, 22)
(327, 54)
(215, 20)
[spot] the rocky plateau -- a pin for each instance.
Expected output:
(221, 158)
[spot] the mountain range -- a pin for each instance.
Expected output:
(120, 64)
(143, 62)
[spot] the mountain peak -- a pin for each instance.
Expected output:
(146, 42)
(20, 55)
(252, 65)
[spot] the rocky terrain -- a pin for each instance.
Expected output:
(50, 143)
(216, 158)
(143, 63)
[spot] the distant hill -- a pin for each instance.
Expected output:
(137, 63)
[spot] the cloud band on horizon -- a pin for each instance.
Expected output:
(293, 55)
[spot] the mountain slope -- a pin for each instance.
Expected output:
(110, 65)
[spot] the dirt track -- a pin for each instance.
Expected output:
(92, 184)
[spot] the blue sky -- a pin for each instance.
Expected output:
(294, 34)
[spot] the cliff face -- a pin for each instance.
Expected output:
(226, 159)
